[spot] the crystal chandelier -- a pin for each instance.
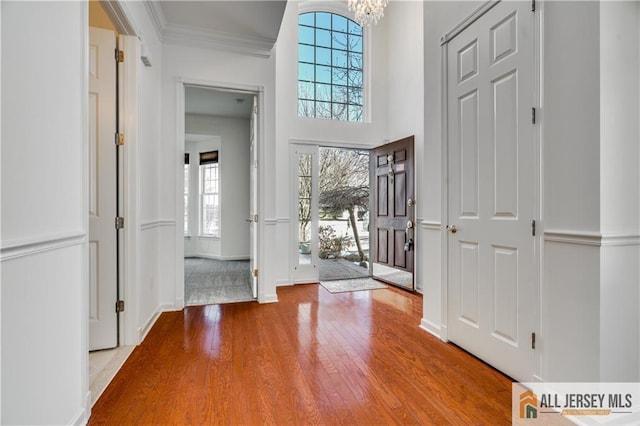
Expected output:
(367, 11)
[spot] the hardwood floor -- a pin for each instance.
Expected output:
(354, 358)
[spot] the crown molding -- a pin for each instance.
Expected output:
(217, 40)
(154, 10)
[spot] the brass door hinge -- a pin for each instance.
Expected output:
(119, 222)
(119, 306)
(255, 272)
(119, 139)
(119, 56)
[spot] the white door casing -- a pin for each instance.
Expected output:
(253, 199)
(492, 190)
(102, 190)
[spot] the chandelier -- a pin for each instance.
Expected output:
(367, 11)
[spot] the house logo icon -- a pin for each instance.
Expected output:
(528, 405)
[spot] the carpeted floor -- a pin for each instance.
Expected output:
(210, 281)
(340, 286)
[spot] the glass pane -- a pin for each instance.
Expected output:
(340, 94)
(304, 208)
(355, 43)
(355, 113)
(339, 23)
(355, 95)
(340, 76)
(323, 20)
(355, 78)
(354, 28)
(340, 41)
(323, 56)
(305, 53)
(305, 90)
(355, 60)
(306, 19)
(323, 110)
(305, 35)
(306, 109)
(340, 58)
(305, 72)
(339, 112)
(323, 74)
(323, 38)
(323, 92)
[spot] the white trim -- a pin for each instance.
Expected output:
(270, 221)
(284, 282)
(119, 15)
(82, 418)
(284, 220)
(156, 15)
(217, 40)
(144, 331)
(269, 298)
(332, 144)
(158, 224)
(591, 238)
(431, 328)
(466, 22)
(433, 226)
(36, 245)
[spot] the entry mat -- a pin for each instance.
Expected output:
(358, 284)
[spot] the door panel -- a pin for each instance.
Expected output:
(491, 188)
(102, 190)
(253, 199)
(393, 164)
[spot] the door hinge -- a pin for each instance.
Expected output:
(255, 109)
(533, 115)
(255, 218)
(119, 55)
(119, 306)
(533, 228)
(533, 5)
(119, 222)
(533, 340)
(119, 139)
(255, 272)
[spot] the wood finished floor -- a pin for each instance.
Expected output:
(354, 358)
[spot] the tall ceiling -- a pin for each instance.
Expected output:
(242, 26)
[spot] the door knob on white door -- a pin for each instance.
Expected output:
(452, 229)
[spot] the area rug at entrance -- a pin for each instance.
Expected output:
(357, 284)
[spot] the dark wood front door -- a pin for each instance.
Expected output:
(393, 232)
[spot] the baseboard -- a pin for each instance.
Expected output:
(269, 298)
(283, 283)
(85, 413)
(168, 307)
(143, 331)
(431, 328)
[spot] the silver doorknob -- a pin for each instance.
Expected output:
(452, 229)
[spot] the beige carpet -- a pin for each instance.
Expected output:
(359, 284)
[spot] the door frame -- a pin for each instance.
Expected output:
(538, 175)
(181, 84)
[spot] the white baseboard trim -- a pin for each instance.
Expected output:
(82, 418)
(143, 331)
(269, 298)
(431, 328)
(168, 307)
(283, 283)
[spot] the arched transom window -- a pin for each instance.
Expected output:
(330, 71)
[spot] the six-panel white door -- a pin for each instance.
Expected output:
(102, 190)
(253, 200)
(491, 188)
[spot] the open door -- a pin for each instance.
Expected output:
(253, 203)
(103, 293)
(393, 215)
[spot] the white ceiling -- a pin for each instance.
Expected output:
(202, 100)
(243, 26)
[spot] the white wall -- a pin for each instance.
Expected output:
(220, 69)
(44, 214)
(234, 138)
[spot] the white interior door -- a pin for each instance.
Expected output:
(253, 202)
(491, 189)
(102, 190)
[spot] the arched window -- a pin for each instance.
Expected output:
(330, 71)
